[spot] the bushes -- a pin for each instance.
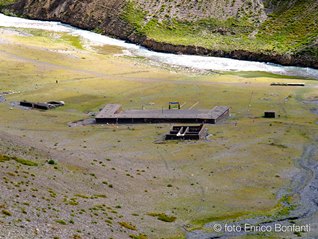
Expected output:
(61, 222)
(51, 161)
(286, 30)
(26, 162)
(163, 217)
(128, 225)
(6, 212)
(4, 3)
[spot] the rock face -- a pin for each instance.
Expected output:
(203, 9)
(258, 30)
(99, 15)
(283, 59)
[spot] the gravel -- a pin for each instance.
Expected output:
(304, 184)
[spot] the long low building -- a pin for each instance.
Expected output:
(113, 114)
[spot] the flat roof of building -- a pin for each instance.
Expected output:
(113, 111)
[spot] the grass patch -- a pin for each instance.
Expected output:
(26, 162)
(90, 197)
(72, 202)
(4, 158)
(128, 225)
(258, 74)
(75, 41)
(163, 217)
(140, 236)
(61, 222)
(6, 212)
(4, 3)
(287, 30)
(284, 206)
(205, 220)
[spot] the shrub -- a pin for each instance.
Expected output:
(163, 217)
(140, 236)
(6, 212)
(61, 222)
(128, 225)
(4, 158)
(51, 161)
(25, 162)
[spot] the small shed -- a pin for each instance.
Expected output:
(174, 105)
(269, 114)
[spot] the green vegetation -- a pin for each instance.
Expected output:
(6, 212)
(135, 17)
(163, 217)
(128, 225)
(140, 236)
(51, 161)
(6, 2)
(4, 158)
(73, 40)
(91, 197)
(134, 83)
(202, 221)
(72, 202)
(186, 33)
(284, 206)
(25, 162)
(3, 8)
(287, 30)
(61, 222)
(60, 38)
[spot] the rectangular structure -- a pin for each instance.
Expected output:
(113, 114)
(269, 114)
(187, 133)
(42, 106)
(287, 84)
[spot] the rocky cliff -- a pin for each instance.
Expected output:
(277, 31)
(99, 15)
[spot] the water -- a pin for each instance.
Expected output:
(190, 61)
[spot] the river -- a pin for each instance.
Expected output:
(189, 61)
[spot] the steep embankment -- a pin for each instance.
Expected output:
(269, 30)
(98, 15)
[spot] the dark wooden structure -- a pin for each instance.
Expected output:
(269, 114)
(42, 106)
(187, 133)
(287, 84)
(174, 105)
(113, 114)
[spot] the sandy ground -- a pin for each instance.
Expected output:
(107, 180)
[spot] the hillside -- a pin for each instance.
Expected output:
(270, 30)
